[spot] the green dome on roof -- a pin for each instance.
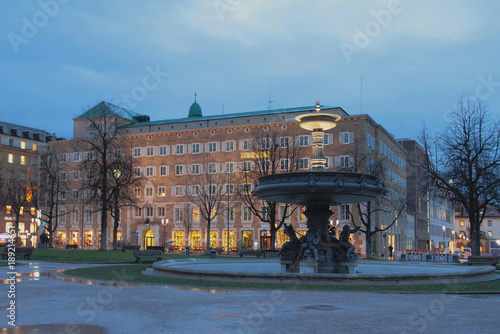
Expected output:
(195, 110)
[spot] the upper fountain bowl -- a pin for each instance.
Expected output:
(318, 121)
(319, 187)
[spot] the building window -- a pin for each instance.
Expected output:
(163, 150)
(137, 171)
(284, 142)
(284, 164)
(303, 163)
(195, 190)
(344, 212)
(230, 189)
(490, 223)
(195, 148)
(23, 144)
(11, 158)
(75, 216)
(229, 146)
(8, 209)
(160, 211)
(149, 211)
(212, 147)
(325, 139)
(346, 137)
(149, 151)
(303, 140)
(23, 160)
(490, 234)
(229, 167)
(247, 166)
(138, 212)
(137, 192)
(137, 152)
(34, 146)
(344, 161)
(370, 141)
(149, 191)
(76, 157)
(179, 170)
(62, 195)
(178, 191)
(195, 169)
(196, 214)
(462, 223)
(179, 149)
(163, 171)
(212, 168)
(229, 213)
(247, 213)
(76, 194)
(162, 191)
(265, 143)
(149, 171)
(88, 216)
(178, 214)
(246, 145)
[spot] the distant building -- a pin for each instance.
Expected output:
(19, 147)
(490, 230)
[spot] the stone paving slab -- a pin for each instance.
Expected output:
(43, 299)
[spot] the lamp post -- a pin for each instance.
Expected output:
(164, 222)
(444, 242)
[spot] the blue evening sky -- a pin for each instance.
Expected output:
(58, 57)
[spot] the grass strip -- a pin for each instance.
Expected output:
(134, 274)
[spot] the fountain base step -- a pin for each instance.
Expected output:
(321, 267)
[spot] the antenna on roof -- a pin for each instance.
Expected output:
(269, 100)
(361, 98)
(222, 108)
(194, 96)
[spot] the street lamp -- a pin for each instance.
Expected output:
(164, 222)
(444, 242)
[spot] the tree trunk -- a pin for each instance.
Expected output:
(368, 242)
(475, 238)
(209, 222)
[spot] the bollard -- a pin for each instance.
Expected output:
(213, 254)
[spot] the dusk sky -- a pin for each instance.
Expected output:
(415, 57)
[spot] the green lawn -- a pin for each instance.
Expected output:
(133, 273)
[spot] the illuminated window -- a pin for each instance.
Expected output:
(32, 228)
(11, 158)
(196, 214)
(33, 210)
(23, 160)
(9, 226)
(9, 209)
(34, 146)
(162, 191)
(21, 228)
(21, 210)
(461, 223)
(490, 233)
(23, 145)
(149, 191)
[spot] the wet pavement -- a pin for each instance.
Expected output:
(48, 303)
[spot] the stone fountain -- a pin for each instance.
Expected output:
(318, 251)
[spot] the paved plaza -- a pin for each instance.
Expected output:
(48, 303)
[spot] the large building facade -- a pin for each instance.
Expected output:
(168, 152)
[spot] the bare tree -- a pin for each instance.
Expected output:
(205, 190)
(270, 152)
(17, 195)
(102, 141)
(47, 187)
(391, 205)
(463, 162)
(122, 185)
(187, 220)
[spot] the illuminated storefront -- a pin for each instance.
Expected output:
(178, 240)
(281, 238)
(247, 239)
(149, 238)
(88, 242)
(214, 239)
(61, 239)
(232, 241)
(195, 240)
(265, 240)
(75, 237)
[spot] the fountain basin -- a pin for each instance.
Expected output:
(318, 187)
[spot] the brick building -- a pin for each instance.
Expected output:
(167, 151)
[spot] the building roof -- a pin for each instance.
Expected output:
(232, 115)
(16, 130)
(106, 108)
(195, 110)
